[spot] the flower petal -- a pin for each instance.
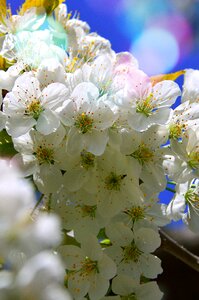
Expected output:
(48, 122)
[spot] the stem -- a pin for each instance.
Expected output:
(171, 182)
(174, 248)
(170, 190)
(48, 205)
(37, 204)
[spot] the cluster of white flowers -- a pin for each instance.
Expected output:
(99, 139)
(28, 267)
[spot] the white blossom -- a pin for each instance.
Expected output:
(129, 288)
(146, 149)
(184, 116)
(187, 196)
(190, 86)
(182, 164)
(145, 104)
(88, 118)
(27, 106)
(131, 250)
(89, 269)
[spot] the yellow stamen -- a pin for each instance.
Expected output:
(175, 131)
(88, 266)
(34, 109)
(45, 155)
(143, 154)
(84, 123)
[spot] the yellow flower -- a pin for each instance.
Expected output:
(2, 63)
(3, 10)
(49, 5)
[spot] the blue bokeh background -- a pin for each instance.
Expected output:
(163, 35)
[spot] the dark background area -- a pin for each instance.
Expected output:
(178, 281)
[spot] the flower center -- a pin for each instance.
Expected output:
(88, 266)
(44, 155)
(84, 123)
(34, 109)
(74, 64)
(131, 253)
(194, 160)
(143, 154)
(175, 131)
(113, 181)
(88, 210)
(88, 53)
(87, 159)
(104, 88)
(144, 107)
(135, 213)
(192, 198)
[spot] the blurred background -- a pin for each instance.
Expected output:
(164, 36)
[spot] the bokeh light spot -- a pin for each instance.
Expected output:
(157, 51)
(134, 15)
(179, 26)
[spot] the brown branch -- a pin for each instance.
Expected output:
(174, 248)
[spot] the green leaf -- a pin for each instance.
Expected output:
(6, 145)
(69, 240)
(105, 242)
(102, 235)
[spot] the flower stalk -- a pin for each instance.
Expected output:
(172, 247)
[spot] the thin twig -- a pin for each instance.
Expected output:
(48, 204)
(37, 204)
(174, 248)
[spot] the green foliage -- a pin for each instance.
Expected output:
(6, 145)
